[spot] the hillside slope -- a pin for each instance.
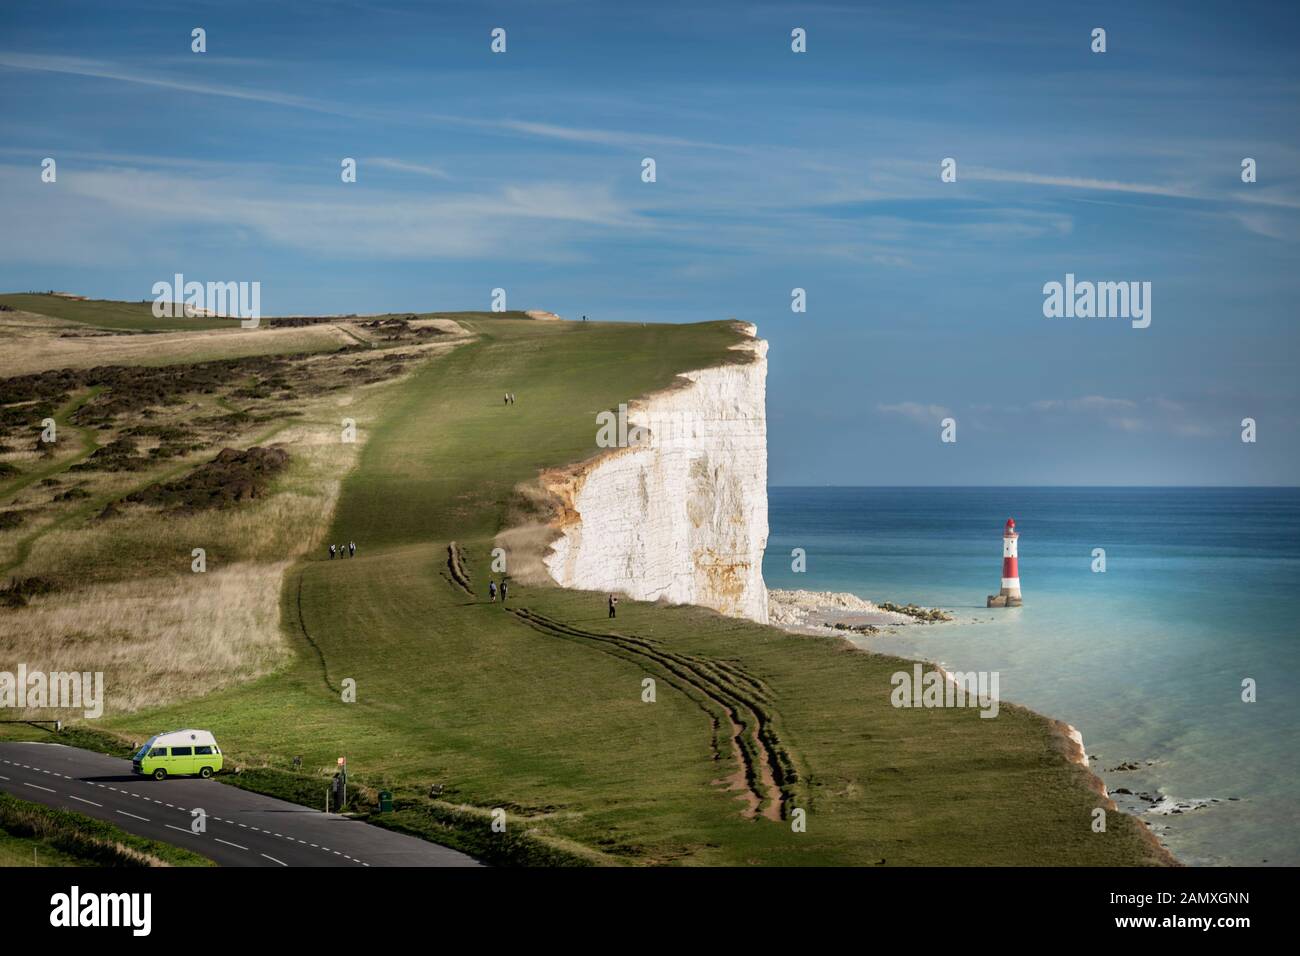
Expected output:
(537, 707)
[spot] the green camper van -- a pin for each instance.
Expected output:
(178, 753)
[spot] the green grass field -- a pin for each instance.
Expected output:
(35, 835)
(107, 314)
(537, 709)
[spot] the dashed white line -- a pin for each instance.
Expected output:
(245, 826)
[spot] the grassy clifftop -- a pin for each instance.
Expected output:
(463, 706)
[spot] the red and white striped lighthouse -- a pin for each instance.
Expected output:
(1009, 595)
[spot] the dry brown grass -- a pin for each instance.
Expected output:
(155, 639)
(128, 603)
(34, 343)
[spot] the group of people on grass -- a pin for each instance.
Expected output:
(339, 550)
(493, 590)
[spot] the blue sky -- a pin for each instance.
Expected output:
(775, 170)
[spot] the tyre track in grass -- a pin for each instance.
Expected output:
(765, 770)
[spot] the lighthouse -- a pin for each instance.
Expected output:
(1009, 595)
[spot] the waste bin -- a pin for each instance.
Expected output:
(385, 802)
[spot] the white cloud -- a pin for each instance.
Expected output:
(915, 411)
(149, 209)
(1072, 182)
(397, 165)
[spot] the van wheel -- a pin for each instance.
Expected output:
(160, 774)
(205, 773)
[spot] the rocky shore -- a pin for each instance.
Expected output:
(832, 612)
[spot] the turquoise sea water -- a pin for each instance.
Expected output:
(1201, 590)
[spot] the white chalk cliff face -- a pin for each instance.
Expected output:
(683, 516)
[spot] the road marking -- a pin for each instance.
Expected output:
(34, 787)
(91, 802)
(274, 860)
(125, 814)
(228, 843)
(170, 827)
(4, 778)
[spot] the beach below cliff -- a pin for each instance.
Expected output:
(843, 614)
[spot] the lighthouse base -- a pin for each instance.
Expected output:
(1004, 600)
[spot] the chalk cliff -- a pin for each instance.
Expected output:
(681, 516)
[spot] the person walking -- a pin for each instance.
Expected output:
(507, 398)
(613, 605)
(492, 590)
(503, 590)
(352, 549)
(331, 552)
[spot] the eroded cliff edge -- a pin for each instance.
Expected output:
(682, 515)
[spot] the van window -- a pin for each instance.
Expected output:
(182, 751)
(158, 752)
(202, 750)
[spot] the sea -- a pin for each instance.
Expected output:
(1179, 661)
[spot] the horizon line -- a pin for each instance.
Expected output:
(1029, 486)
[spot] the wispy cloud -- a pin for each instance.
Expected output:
(106, 70)
(545, 221)
(1072, 182)
(80, 66)
(916, 411)
(419, 169)
(1088, 403)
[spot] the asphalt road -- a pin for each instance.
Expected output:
(243, 828)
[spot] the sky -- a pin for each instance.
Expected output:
(774, 171)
